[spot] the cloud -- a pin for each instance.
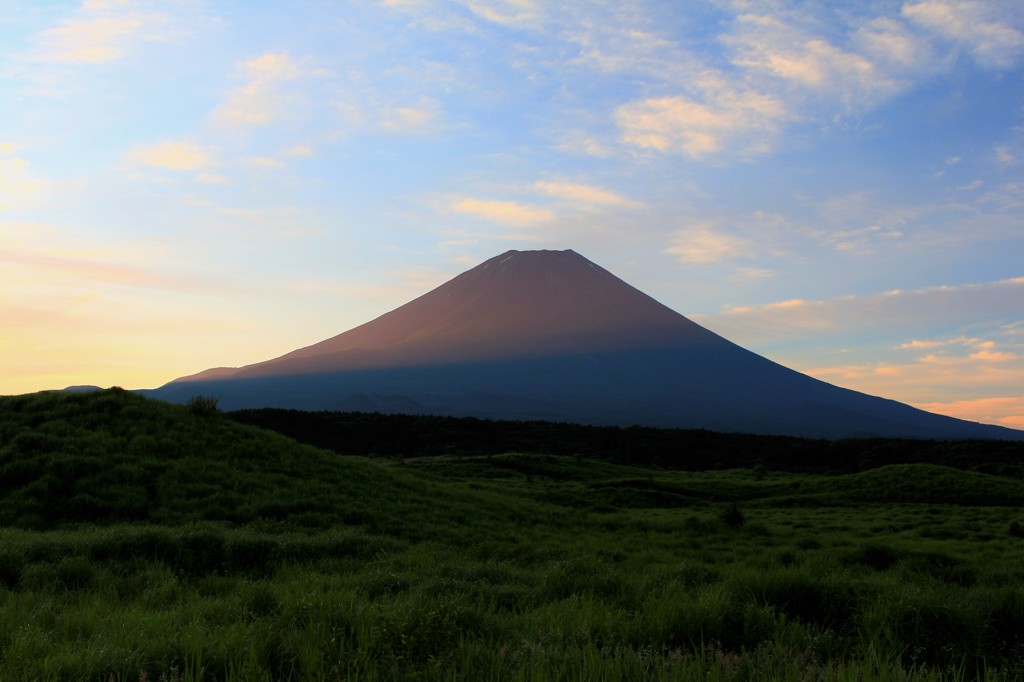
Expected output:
(915, 344)
(894, 312)
(581, 143)
(623, 39)
(586, 195)
(984, 29)
(106, 4)
(1007, 412)
(891, 45)
(752, 274)
(300, 151)
(768, 46)
(858, 239)
(1004, 156)
(969, 349)
(703, 245)
(170, 155)
(728, 120)
(213, 179)
(926, 379)
(83, 269)
(264, 97)
(504, 212)
(513, 13)
(92, 41)
(419, 118)
(101, 31)
(264, 162)
(18, 185)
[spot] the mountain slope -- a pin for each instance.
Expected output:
(516, 305)
(550, 335)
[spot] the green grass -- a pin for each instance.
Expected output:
(212, 550)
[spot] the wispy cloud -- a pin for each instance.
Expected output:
(742, 121)
(174, 155)
(894, 312)
(582, 143)
(986, 30)
(889, 45)
(1007, 412)
(586, 195)
(84, 268)
(928, 372)
(420, 117)
(89, 40)
(514, 13)
(768, 45)
(18, 184)
(504, 212)
(264, 97)
(264, 162)
(213, 179)
(702, 244)
(101, 31)
(1004, 156)
(930, 382)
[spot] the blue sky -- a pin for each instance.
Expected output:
(837, 186)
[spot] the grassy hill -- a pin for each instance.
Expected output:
(143, 540)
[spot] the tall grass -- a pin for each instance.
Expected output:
(294, 563)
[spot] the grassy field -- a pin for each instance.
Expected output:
(146, 541)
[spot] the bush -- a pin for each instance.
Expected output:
(878, 556)
(11, 566)
(203, 405)
(258, 601)
(732, 516)
(76, 573)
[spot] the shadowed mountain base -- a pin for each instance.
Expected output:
(663, 389)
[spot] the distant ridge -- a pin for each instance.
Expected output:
(551, 335)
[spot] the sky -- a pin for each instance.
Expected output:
(838, 186)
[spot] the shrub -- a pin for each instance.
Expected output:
(253, 555)
(732, 516)
(943, 567)
(1004, 616)
(418, 631)
(258, 601)
(384, 584)
(801, 594)
(76, 573)
(11, 566)
(203, 405)
(876, 555)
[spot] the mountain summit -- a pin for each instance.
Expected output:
(516, 305)
(550, 335)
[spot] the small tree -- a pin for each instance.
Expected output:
(203, 405)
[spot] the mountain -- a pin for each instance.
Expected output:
(550, 335)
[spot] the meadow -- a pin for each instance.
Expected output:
(146, 541)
